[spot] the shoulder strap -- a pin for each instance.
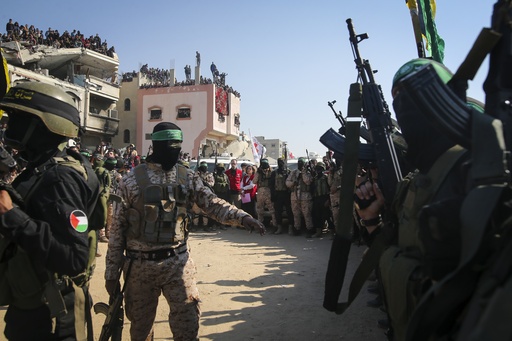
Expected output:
(72, 163)
(341, 243)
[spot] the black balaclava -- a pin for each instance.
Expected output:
(300, 163)
(281, 165)
(264, 164)
(424, 142)
(166, 149)
(319, 171)
(110, 164)
(28, 134)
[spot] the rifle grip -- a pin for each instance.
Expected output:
(364, 203)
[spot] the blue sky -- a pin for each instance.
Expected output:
(286, 58)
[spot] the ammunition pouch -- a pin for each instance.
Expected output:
(401, 278)
(20, 285)
(440, 104)
(160, 215)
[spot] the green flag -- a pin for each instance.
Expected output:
(435, 44)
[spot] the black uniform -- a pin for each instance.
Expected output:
(52, 229)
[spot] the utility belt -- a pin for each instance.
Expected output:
(156, 255)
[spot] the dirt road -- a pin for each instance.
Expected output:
(261, 288)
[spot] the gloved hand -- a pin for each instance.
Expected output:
(112, 286)
(250, 224)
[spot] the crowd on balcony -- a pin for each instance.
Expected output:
(157, 78)
(31, 37)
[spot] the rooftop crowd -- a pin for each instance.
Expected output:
(32, 36)
(158, 78)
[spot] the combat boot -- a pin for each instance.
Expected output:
(279, 229)
(318, 233)
(309, 233)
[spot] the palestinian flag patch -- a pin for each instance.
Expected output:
(79, 221)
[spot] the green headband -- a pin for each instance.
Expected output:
(169, 134)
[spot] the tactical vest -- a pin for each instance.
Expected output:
(401, 266)
(321, 187)
(303, 187)
(159, 216)
(263, 179)
(280, 184)
(27, 285)
(221, 184)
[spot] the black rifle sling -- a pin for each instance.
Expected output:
(340, 248)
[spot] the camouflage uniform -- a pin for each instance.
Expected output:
(209, 181)
(302, 200)
(334, 180)
(173, 276)
(263, 196)
(116, 177)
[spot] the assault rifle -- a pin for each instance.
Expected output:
(364, 133)
(378, 118)
(114, 312)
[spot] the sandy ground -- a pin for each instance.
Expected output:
(261, 288)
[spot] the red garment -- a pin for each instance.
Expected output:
(234, 179)
(246, 181)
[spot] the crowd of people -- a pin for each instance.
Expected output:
(52, 37)
(59, 205)
(158, 78)
(439, 244)
(302, 201)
